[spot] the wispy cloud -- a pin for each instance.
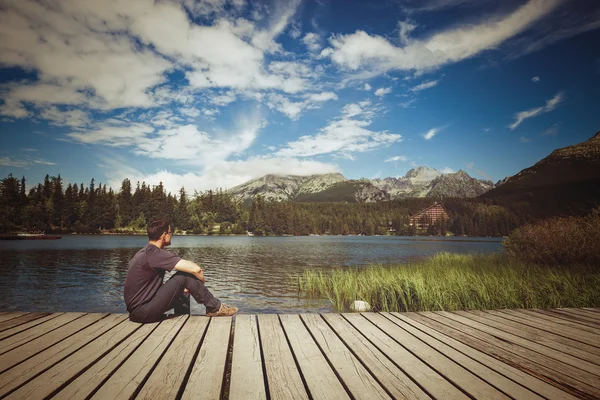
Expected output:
(22, 162)
(367, 87)
(552, 131)
(525, 139)
(361, 50)
(424, 85)
(447, 170)
(312, 42)
(397, 158)
(343, 136)
(12, 162)
(432, 132)
(534, 112)
(383, 91)
(535, 79)
(408, 103)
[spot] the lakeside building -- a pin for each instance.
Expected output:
(429, 216)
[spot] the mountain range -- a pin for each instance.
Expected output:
(565, 182)
(418, 182)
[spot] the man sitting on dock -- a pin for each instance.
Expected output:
(147, 298)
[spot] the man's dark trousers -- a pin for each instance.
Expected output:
(170, 295)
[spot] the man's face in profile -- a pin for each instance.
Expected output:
(168, 236)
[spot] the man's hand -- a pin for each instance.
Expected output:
(191, 268)
(200, 275)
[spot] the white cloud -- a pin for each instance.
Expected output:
(312, 42)
(189, 112)
(424, 85)
(182, 143)
(210, 112)
(222, 99)
(12, 162)
(431, 133)
(367, 87)
(525, 139)
(376, 53)
(397, 158)
(447, 170)
(293, 109)
(405, 28)
(101, 57)
(343, 136)
(535, 79)
(407, 104)
(23, 162)
(533, 112)
(224, 174)
(552, 131)
(383, 91)
(72, 118)
(38, 161)
(295, 30)
(323, 96)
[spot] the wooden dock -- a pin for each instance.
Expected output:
(499, 354)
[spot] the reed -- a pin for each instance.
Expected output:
(456, 282)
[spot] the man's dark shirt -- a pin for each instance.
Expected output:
(145, 274)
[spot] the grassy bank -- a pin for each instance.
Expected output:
(457, 282)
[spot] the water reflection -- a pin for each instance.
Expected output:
(86, 273)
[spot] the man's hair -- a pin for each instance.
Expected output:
(157, 228)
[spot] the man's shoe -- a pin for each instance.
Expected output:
(224, 310)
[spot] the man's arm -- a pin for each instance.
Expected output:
(191, 268)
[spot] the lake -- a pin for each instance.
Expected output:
(86, 273)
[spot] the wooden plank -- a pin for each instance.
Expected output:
(356, 377)
(19, 354)
(11, 315)
(507, 374)
(35, 332)
(552, 320)
(573, 314)
(20, 320)
(446, 367)
(86, 383)
(321, 380)
(584, 338)
(126, 380)
(166, 379)
(206, 378)
(556, 342)
(585, 312)
(529, 361)
(77, 349)
(592, 309)
(247, 380)
(499, 383)
(390, 375)
(20, 328)
(582, 370)
(572, 319)
(283, 378)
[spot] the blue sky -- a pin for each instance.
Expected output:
(213, 93)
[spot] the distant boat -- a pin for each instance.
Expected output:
(30, 236)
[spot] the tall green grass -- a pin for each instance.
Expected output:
(457, 282)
